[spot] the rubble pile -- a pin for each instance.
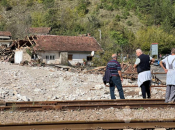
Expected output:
(24, 83)
(6, 54)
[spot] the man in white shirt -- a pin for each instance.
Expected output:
(144, 74)
(170, 78)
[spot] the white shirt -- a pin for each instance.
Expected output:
(138, 60)
(170, 78)
(170, 59)
(143, 76)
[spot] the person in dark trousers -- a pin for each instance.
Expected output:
(115, 69)
(144, 74)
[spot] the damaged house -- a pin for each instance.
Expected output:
(5, 38)
(54, 49)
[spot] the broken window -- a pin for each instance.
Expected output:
(52, 57)
(70, 57)
(89, 58)
(47, 57)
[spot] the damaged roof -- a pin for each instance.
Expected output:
(5, 33)
(39, 30)
(66, 43)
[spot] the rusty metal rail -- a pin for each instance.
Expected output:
(81, 105)
(152, 86)
(79, 125)
(72, 102)
(137, 73)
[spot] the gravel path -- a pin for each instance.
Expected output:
(23, 83)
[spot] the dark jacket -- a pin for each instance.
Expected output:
(107, 77)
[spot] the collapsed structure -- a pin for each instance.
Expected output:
(53, 49)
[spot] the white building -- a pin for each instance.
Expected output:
(54, 49)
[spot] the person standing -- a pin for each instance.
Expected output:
(170, 78)
(115, 69)
(142, 64)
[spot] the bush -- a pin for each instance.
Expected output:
(2, 25)
(82, 8)
(30, 2)
(109, 8)
(6, 4)
(129, 23)
(48, 3)
(117, 18)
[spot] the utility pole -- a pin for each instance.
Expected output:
(100, 33)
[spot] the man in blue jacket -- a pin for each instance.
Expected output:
(115, 69)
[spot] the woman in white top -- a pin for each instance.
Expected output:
(170, 78)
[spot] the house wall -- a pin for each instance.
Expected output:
(78, 57)
(62, 57)
(42, 56)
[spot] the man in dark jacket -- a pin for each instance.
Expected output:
(107, 77)
(144, 74)
(116, 77)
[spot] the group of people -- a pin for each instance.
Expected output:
(113, 75)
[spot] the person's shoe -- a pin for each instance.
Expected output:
(171, 102)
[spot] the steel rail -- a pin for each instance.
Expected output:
(79, 125)
(86, 106)
(150, 86)
(71, 102)
(137, 73)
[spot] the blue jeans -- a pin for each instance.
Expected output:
(116, 82)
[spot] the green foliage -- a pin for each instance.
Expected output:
(48, 3)
(2, 23)
(117, 18)
(122, 3)
(29, 52)
(118, 38)
(125, 14)
(40, 1)
(38, 19)
(4, 3)
(51, 17)
(129, 23)
(82, 8)
(30, 2)
(154, 35)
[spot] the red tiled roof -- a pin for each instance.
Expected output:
(5, 33)
(66, 43)
(40, 30)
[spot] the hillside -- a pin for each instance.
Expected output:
(19, 17)
(125, 24)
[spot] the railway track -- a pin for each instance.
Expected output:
(91, 125)
(84, 104)
(87, 104)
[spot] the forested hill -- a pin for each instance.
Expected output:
(124, 24)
